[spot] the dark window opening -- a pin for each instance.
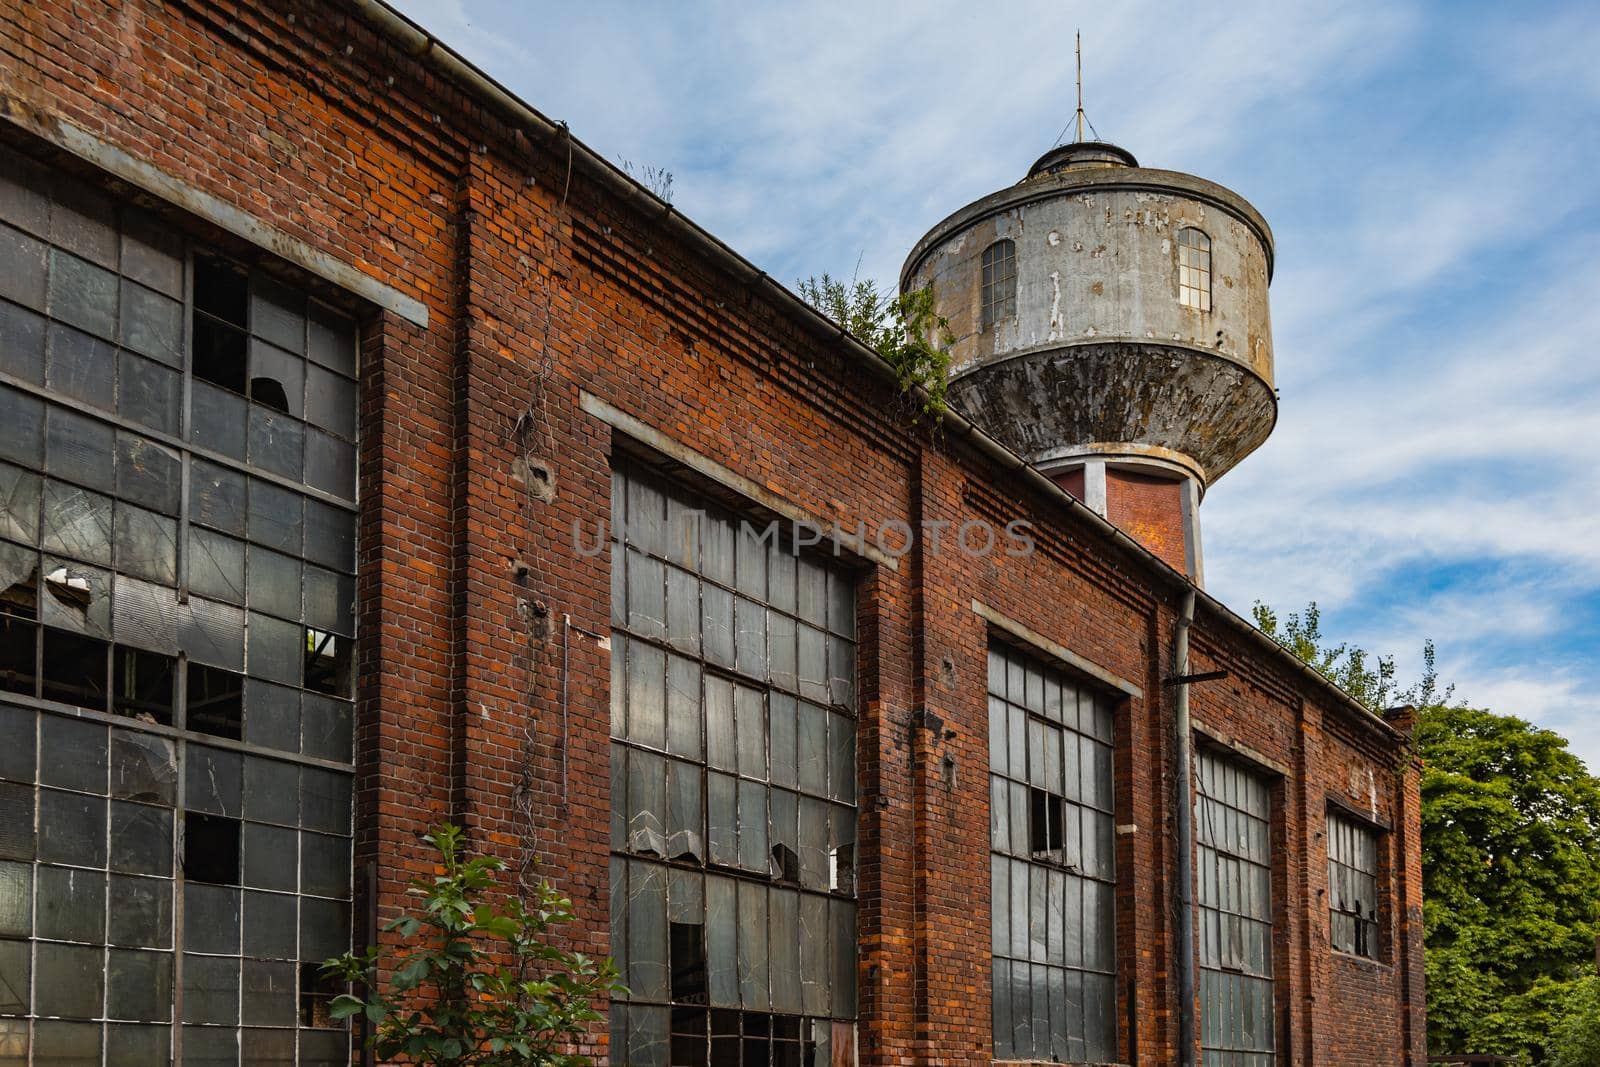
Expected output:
(1353, 886)
(689, 1041)
(75, 669)
(210, 848)
(317, 991)
(785, 863)
(20, 598)
(327, 668)
(219, 354)
(18, 644)
(221, 289)
(271, 393)
(144, 685)
(688, 947)
(215, 701)
(1046, 835)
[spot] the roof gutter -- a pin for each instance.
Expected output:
(423, 46)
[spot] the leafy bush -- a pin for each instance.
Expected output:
(905, 330)
(476, 984)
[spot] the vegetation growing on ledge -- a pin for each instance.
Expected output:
(905, 330)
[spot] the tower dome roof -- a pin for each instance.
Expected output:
(1082, 155)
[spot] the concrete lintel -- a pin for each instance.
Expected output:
(1055, 650)
(203, 205)
(707, 467)
(1238, 747)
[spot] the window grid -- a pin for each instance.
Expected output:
(1352, 886)
(999, 283)
(1053, 876)
(1234, 877)
(1194, 269)
(204, 786)
(733, 786)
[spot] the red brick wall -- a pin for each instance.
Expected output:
(1150, 510)
(539, 283)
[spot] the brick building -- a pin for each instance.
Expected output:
(373, 454)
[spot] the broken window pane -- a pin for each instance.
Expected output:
(647, 931)
(216, 565)
(146, 544)
(277, 379)
(785, 835)
(18, 648)
(686, 937)
(211, 850)
(75, 669)
(214, 701)
(76, 597)
(685, 813)
(647, 803)
(19, 505)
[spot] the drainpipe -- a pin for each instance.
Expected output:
(1185, 844)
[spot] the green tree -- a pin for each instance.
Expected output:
(476, 984)
(1576, 1040)
(905, 330)
(1510, 860)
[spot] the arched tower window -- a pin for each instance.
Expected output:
(999, 283)
(1194, 269)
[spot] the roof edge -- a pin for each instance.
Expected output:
(422, 45)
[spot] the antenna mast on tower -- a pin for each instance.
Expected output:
(1079, 36)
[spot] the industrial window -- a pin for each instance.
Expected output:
(999, 282)
(1353, 886)
(1234, 875)
(1194, 269)
(175, 770)
(1053, 877)
(733, 788)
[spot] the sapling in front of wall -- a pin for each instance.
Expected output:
(473, 982)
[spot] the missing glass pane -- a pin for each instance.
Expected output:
(1045, 816)
(327, 663)
(214, 701)
(220, 289)
(75, 669)
(210, 848)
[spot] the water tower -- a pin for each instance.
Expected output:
(1111, 326)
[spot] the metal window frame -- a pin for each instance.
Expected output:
(1194, 268)
(999, 296)
(1349, 842)
(628, 467)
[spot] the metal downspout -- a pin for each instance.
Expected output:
(1185, 843)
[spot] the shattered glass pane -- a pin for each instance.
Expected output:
(146, 544)
(216, 565)
(76, 669)
(77, 523)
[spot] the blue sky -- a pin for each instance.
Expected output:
(1430, 174)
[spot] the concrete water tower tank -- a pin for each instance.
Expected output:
(1111, 326)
